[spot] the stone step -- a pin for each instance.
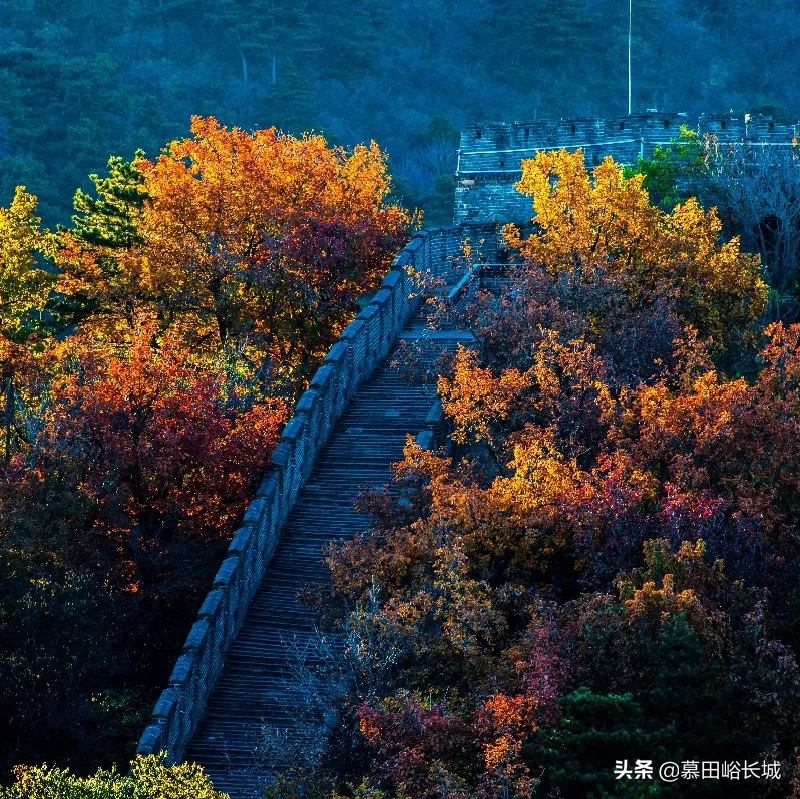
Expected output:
(255, 690)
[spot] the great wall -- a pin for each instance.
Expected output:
(347, 429)
(489, 155)
(233, 679)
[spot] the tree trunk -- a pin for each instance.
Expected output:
(244, 66)
(9, 414)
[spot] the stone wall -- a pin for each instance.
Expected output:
(361, 346)
(490, 155)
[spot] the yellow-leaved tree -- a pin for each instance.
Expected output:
(149, 778)
(586, 223)
(257, 243)
(24, 284)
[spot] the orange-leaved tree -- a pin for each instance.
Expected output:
(609, 551)
(191, 300)
(141, 437)
(259, 243)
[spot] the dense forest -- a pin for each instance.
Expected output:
(83, 79)
(605, 558)
(605, 563)
(152, 347)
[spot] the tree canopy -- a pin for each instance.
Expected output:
(605, 559)
(153, 346)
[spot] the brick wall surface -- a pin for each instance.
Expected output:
(490, 155)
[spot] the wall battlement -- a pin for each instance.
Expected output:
(360, 348)
(490, 155)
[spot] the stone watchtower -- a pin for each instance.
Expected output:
(490, 155)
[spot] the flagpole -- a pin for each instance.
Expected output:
(630, 41)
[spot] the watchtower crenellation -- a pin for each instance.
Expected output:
(490, 154)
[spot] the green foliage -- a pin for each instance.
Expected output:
(361, 791)
(684, 706)
(110, 219)
(595, 731)
(541, 35)
(65, 648)
(82, 79)
(439, 204)
(440, 127)
(690, 692)
(673, 173)
(150, 778)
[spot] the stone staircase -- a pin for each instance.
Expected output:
(257, 690)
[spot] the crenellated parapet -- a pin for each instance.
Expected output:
(351, 360)
(490, 155)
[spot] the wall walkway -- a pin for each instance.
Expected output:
(346, 431)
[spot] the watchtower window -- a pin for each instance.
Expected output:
(723, 125)
(666, 123)
(527, 132)
(477, 134)
(771, 126)
(572, 128)
(622, 126)
(502, 163)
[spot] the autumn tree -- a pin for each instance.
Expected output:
(24, 282)
(190, 300)
(112, 514)
(268, 236)
(25, 285)
(608, 550)
(258, 243)
(142, 437)
(586, 224)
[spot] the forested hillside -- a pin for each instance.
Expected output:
(151, 348)
(194, 205)
(86, 78)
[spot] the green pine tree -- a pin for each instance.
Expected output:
(110, 219)
(595, 731)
